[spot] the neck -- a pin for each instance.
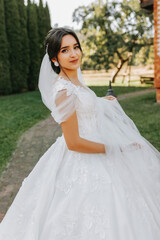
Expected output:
(71, 74)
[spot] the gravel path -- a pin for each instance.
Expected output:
(30, 148)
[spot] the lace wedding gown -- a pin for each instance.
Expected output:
(83, 196)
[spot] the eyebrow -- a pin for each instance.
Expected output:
(68, 46)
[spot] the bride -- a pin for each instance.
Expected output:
(100, 180)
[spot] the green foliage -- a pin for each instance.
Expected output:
(12, 20)
(145, 56)
(23, 30)
(33, 46)
(48, 20)
(112, 31)
(25, 59)
(43, 25)
(5, 83)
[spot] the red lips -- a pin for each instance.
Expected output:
(74, 60)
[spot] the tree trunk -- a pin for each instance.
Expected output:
(119, 67)
(125, 72)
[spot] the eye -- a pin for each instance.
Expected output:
(65, 50)
(76, 47)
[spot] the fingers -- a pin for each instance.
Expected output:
(110, 97)
(137, 144)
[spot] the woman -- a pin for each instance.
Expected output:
(100, 179)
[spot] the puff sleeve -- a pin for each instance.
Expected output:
(64, 102)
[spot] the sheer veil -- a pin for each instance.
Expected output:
(47, 79)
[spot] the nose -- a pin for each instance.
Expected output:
(73, 53)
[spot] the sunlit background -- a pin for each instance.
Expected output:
(61, 11)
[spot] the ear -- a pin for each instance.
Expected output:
(54, 60)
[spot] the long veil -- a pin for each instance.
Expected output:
(47, 78)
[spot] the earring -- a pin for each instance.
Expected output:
(56, 64)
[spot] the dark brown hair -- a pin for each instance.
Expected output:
(53, 42)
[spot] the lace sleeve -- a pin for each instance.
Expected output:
(65, 103)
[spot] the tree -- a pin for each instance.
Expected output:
(41, 14)
(48, 20)
(145, 56)
(5, 83)
(14, 39)
(33, 45)
(25, 43)
(113, 31)
(44, 25)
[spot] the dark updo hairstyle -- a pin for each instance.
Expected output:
(53, 42)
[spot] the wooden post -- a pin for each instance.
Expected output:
(157, 48)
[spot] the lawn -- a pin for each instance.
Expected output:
(145, 113)
(118, 90)
(19, 112)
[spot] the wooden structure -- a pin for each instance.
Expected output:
(155, 8)
(147, 79)
(147, 5)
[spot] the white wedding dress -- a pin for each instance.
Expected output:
(86, 196)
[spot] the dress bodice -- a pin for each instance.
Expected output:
(99, 120)
(85, 105)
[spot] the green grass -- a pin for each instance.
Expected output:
(145, 113)
(118, 90)
(18, 113)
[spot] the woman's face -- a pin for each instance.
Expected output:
(69, 56)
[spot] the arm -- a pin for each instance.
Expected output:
(74, 141)
(69, 124)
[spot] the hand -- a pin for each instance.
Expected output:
(109, 97)
(130, 145)
(137, 144)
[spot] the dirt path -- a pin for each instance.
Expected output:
(135, 94)
(30, 148)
